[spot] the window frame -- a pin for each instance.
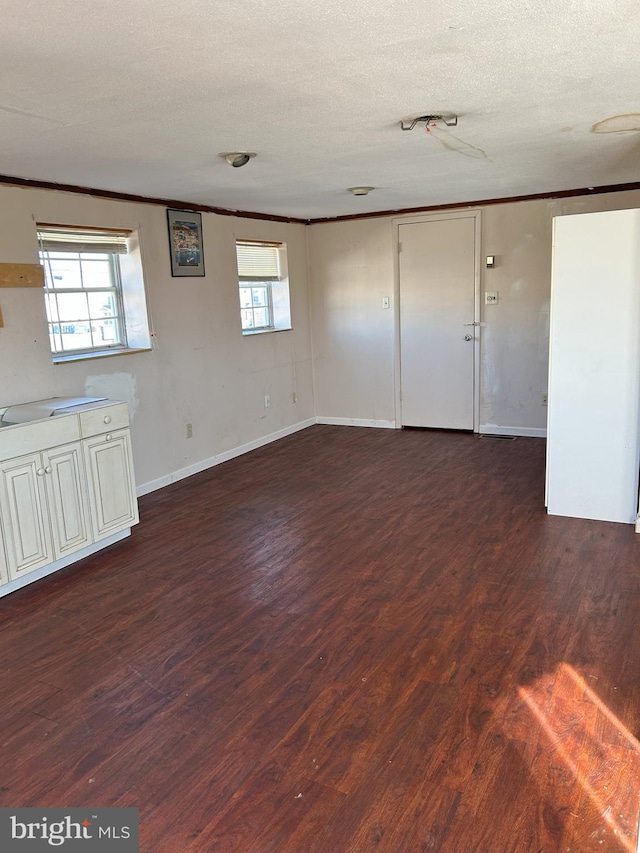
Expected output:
(277, 286)
(126, 287)
(251, 285)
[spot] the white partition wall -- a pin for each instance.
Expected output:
(594, 373)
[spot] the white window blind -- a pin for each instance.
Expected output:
(258, 261)
(83, 240)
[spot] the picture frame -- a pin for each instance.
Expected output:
(185, 242)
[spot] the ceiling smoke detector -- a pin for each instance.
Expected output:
(237, 158)
(360, 190)
(448, 120)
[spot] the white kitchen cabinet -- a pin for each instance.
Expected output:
(109, 469)
(25, 514)
(44, 508)
(4, 571)
(66, 489)
(68, 511)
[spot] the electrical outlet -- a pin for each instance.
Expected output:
(491, 297)
(189, 430)
(267, 401)
(545, 399)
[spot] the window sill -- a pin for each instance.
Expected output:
(89, 356)
(249, 333)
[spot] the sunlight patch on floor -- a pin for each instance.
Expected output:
(600, 753)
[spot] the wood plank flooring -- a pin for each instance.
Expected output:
(351, 640)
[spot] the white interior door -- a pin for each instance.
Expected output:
(437, 265)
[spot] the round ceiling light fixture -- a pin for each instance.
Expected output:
(237, 158)
(360, 190)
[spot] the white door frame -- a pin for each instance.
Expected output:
(466, 213)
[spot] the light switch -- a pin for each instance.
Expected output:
(386, 302)
(491, 261)
(491, 297)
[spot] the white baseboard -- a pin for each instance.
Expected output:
(197, 467)
(526, 432)
(212, 461)
(359, 422)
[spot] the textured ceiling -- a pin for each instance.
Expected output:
(141, 96)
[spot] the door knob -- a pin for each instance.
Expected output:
(468, 338)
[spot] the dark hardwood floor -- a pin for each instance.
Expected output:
(351, 640)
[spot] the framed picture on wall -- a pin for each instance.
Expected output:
(185, 242)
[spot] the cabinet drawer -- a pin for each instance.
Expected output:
(32, 437)
(104, 419)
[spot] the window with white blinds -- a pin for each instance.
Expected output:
(52, 239)
(264, 286)
(85, 282)
(258, 261)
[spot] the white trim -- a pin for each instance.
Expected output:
(197, 467)
(525, 432)
(477, 352)
(218, 459)
(63, 562)
(212, 461)
(358, 422)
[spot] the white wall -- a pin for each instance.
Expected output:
(352, 267)
(201, 369)
(594, 382)
(353, 336)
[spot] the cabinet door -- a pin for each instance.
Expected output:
(25, 517)
(111, 485)
(4, 573)
(64, 480)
